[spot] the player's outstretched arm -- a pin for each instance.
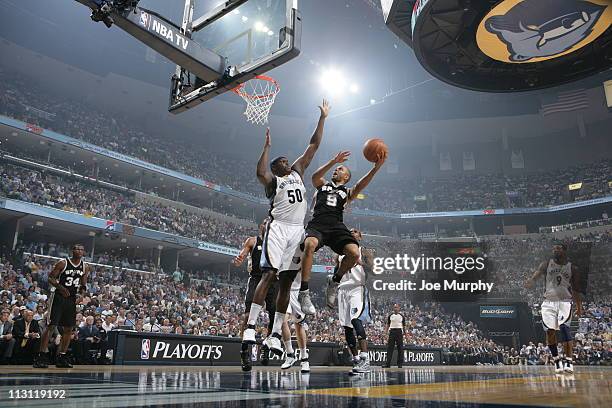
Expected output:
(540, 272)
(246, 249)
(318, 177)
(365, 180)
(55, 273)
(264, 175)
(302, 162)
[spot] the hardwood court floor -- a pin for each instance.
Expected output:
(138, 386)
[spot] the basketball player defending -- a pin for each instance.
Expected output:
(281, 253)
(354, 306)
(327, 226)
(251, 251)
(68, 277)
(562, 288)
(296, 316)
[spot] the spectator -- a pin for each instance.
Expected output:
(7, 342)
(27, 337)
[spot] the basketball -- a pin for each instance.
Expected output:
(372, 148)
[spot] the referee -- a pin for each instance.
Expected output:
(395, 328)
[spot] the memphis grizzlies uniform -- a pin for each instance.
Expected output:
(255, 274)
(294, 309)
(63, 310)
(353, 297)
(557, 304)
(327, 224)
(285, 231)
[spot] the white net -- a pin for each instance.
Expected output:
(259, 93)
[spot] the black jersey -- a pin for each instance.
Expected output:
(254, 267)
(70, 278)
(329, 203)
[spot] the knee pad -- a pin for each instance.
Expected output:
(359, 329)
(565, 333)
(349, 334)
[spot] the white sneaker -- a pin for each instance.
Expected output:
(568, 366)
(305, 302)
(304, 366)
(249, 336)
(355, 365)
(289, 362)
(363, 366)
(331, 293)
(558, 365)
(274, 344)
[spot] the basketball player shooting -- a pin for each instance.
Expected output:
(68, 277)
(561, 290)
(327, 226)
(281, 253)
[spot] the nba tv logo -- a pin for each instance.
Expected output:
(144, 19)
(144, 349)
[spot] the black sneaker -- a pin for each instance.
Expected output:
(265, 356)
(245, 360)
(63, 361)
(41, 360)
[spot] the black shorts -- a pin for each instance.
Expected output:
(335, 236)
(270, 296)
(62, 310)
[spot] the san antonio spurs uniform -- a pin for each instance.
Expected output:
(63, 310)
(327, 223)
(353, 296)
(285, 231)
(557, 305)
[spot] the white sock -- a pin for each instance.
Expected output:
(254, 313)
(356, 358)
(303, 353)
(363, 355)
(288, 346)
(279, 318)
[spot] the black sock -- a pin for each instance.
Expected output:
(553, 350)
(245, 347)
(303, 286)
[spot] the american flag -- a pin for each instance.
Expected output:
(564, 102)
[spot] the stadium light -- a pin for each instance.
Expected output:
(354, 88)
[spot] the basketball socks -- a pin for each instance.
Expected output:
(364, 356)
(288, 347)
(303, 353)
(279, 318)
(254, 314)
(303, 286)
(553, 350)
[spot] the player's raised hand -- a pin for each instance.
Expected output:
(268, 142)
(325, 108)
(380, 159)
(342, 157)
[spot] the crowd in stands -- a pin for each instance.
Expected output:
(26, 101)
(70, 195)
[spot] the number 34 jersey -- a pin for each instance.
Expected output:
(70, 278)
(558, 281)
(288, 199)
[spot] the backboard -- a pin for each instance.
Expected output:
(252, 36)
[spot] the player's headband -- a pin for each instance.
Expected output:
(276, 161)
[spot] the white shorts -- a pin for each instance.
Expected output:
(555, 313)
(353, 303)
(294, 310)
(281, 246)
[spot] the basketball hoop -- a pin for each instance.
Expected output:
(259, 93)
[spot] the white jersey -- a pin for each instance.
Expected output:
(355, 277)
(558, 281)
(288, 202)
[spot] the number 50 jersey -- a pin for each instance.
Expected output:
(288, 199)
